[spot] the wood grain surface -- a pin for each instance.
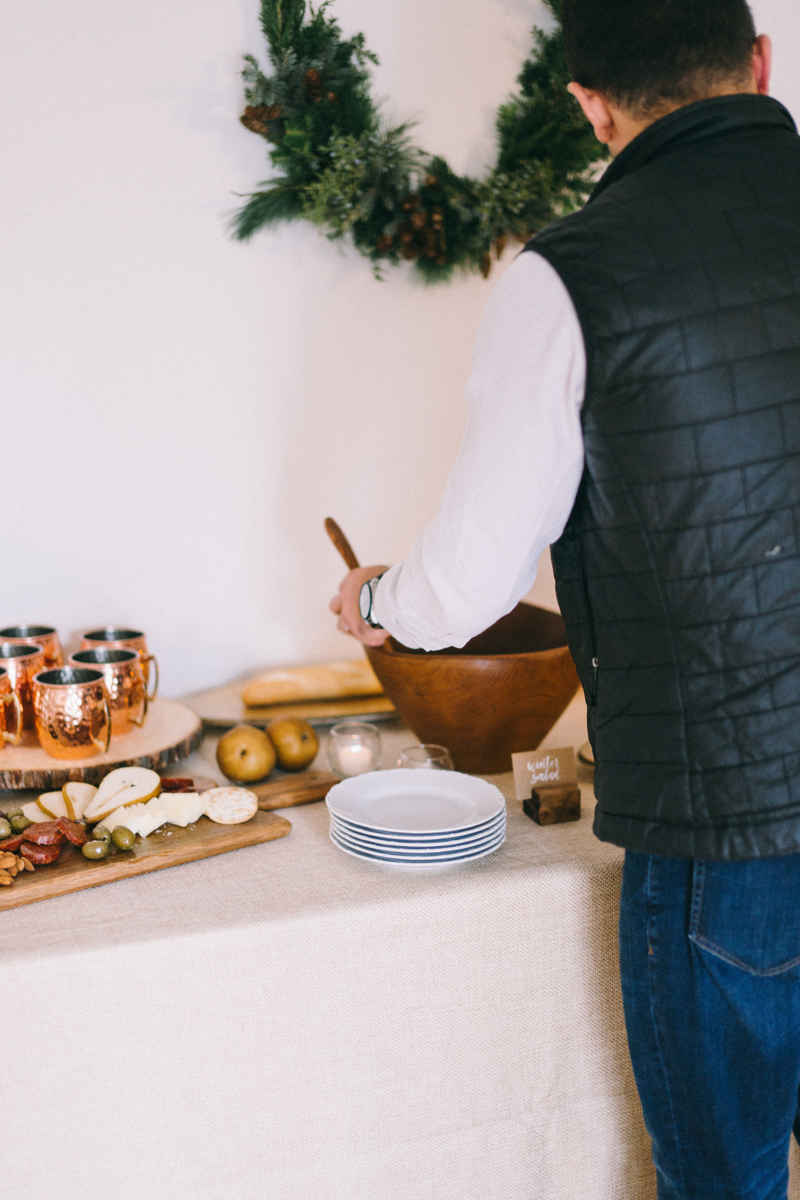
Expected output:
(293, 790)
(171, 732)
(167, 847)
(223, 708)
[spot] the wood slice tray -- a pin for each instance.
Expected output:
(223, 708)
(166, 847)
(170, 732)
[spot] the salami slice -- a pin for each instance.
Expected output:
(72, 831)
(172, 783)
(46, 833)
(13, 843)
(42, 855)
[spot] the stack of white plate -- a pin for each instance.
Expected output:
(417, 818)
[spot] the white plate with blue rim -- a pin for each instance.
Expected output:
(451, 859)
(424, 803)
(366, 840)
(418, 850)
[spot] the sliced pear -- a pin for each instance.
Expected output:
(52, 805)
(34, 813)
(77, 797)
(126, 785)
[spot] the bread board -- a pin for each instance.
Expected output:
(166, 847)
(223, 707)
(171, 732)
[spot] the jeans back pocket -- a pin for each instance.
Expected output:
(748, 913)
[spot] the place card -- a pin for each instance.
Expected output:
(543, 768)
(547, 784)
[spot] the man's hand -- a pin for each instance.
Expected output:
(346, 605)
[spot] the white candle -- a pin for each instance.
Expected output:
(355, 759)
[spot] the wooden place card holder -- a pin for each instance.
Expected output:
(547, 784)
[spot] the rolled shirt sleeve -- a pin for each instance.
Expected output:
(514, 482)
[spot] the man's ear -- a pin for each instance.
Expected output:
(762, 63)
(596, 111)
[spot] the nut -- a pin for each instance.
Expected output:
(5, 879)
(7, 860)
(27, 864)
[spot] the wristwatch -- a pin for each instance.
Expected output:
(366, 599)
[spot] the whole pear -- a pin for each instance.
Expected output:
(245, 754)
(295, 742)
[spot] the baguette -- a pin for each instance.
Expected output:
(328, 681)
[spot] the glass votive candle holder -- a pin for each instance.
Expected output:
(354, 748)
(426, 757)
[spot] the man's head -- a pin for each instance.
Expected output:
(644, 58)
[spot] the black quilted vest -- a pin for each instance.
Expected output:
(678, 572)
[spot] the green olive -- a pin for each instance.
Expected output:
(122, 838)
(101, 833)
(14, 812)
(95, 850)
(5, 828)
(20, 824)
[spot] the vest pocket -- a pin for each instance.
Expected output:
(748, 913)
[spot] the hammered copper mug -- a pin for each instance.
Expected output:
(73, 718)
(9, 700)
(124, 681)
(36, 635)
(114, 638)
(22, 661)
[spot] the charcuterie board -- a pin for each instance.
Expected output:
(169, 846)
(170, 732)
(223, 707)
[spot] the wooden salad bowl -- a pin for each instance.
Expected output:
(501, 693)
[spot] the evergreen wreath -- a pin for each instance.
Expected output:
(341, 168)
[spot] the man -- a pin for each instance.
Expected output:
(635, 400)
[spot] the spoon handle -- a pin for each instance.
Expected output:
(341, 543)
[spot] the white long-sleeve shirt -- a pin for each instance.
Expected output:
(514, 482)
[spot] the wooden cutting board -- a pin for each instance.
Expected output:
(223, 707)
(166, 847)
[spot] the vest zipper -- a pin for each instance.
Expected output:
(592, 639)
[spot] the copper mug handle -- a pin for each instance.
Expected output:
(151, 658)
(104, 748)
(13, 738)
(140, 723)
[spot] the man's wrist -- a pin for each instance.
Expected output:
(366, 601)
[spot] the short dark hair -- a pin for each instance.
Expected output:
(647, 55)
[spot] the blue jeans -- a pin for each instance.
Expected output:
(710, 958)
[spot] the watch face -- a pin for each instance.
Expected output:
(365, 601)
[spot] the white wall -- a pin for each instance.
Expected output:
(180, 411)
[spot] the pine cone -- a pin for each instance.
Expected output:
(255, 117)
(437, 218)
(313, 82)
(419, 220)
(384, 241)
(410, 203)
(500, 245)
(485, 265)
(430, 181)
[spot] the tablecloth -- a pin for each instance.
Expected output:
(285, 1022)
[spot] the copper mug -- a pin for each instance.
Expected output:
(113, 638)
(9, 700)
(73, 718)
(22, 661)
(36, 635)
(125, 686)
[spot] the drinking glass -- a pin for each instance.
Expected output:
(426, 757)
(354, 748)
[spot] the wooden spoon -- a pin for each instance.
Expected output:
(341, 543)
